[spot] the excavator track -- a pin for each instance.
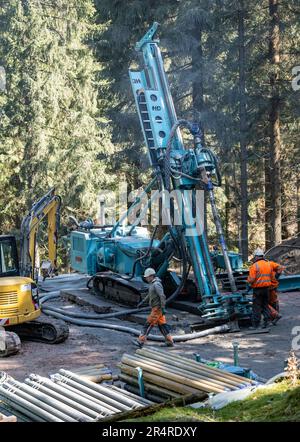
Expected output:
(48, 331)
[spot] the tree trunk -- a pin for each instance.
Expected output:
(198, 96)
(268, 209)
(243, 128)
(275, 140)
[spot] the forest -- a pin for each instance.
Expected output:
(68, 117)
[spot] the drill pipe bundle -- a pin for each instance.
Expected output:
(66, 397)
(168, 375)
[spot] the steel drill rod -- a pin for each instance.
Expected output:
(157, 379)
(59, 409)
(87, 401)
(206, 367)
(149, 387)
(163, 371)
(87, 412)
(99, 389)
(140, 399)
(24, 411)
(229, 382)
(107, 402)
(32, 406)
(182, 371)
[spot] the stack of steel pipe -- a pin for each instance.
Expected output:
(66, 397)
(168, 375)
(95, 373)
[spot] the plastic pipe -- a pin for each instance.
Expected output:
(87, 412)
(100, 390)
(28, 404)
(60, 410)
(62, 389)
(110, 404)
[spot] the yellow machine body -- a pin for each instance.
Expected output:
(17, 303)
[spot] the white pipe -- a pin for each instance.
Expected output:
(61, 390)
(43, 401)
(87, 412)
(114, 406)
(28, 404)
(99, 389)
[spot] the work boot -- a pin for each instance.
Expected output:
(169, 341)
(274, 322)
(169, 344)
(137, 343)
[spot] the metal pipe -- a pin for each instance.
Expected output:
(132, 395)
(218, 376)
(100, 390)
(28, 404)
(166, 372)
(206, 367)
(101, 405)
(40, 399)
(88, 402)
(195, 373)
(24, 411)
(109, 403)
(87, 412)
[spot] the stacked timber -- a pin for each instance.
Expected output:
(167, 375)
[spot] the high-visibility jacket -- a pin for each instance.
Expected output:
(261, 272)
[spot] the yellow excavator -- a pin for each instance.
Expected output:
(19, 299)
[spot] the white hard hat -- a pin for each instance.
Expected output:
(258, 252)
(149, 272)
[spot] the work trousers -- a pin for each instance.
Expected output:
(273, 298)
(260, 305)
(156, 318)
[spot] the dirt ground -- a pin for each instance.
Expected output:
(263, 353)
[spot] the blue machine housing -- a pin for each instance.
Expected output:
(94, 251)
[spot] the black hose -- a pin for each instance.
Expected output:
(133, 331)
(98, 316)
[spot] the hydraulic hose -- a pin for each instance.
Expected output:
(177, 338)
(98, 316)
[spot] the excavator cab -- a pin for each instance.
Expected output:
(9, 262)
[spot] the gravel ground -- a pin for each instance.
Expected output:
(263, 353)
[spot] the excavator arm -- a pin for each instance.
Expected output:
(47, 208)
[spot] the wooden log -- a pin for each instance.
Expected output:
(228, 383)
(206, 367)
(146, 411)
(158, 380)
(160, 391)
(162, 371)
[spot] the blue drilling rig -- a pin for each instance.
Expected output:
(117, 255)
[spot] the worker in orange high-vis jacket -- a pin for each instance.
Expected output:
(157, 302)
(260, 279)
